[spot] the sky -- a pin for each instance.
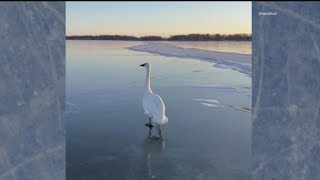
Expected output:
(157, 18)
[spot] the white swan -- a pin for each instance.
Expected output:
(152, 104)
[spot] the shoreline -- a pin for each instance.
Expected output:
(161, 40)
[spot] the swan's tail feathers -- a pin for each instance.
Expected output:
(164, 119)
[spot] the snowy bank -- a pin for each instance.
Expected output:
(235, 61)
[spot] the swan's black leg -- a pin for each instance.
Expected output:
(149, 131)
(149, 124)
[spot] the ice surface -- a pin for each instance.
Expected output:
(219, 88)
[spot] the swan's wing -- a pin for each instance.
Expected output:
(157, 106)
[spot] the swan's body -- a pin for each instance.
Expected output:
(154, 107)
(152, 103)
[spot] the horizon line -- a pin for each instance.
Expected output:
(160, 35)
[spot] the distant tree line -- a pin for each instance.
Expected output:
(189, 37)
(209, 37)
(104, 37)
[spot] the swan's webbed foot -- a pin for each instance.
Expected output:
(149, 125)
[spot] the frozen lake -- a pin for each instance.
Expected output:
(208, 135)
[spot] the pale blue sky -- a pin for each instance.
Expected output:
(157, 18)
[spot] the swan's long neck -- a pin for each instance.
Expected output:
(148, 85)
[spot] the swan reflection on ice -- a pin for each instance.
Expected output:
(152, 145)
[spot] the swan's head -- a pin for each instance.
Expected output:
(146, 65)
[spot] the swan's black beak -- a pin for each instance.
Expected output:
(143, 64)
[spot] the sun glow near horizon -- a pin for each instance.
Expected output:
(157, 18)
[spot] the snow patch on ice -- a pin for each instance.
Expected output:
(209, 102)
(243, 109)
(210, 105)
